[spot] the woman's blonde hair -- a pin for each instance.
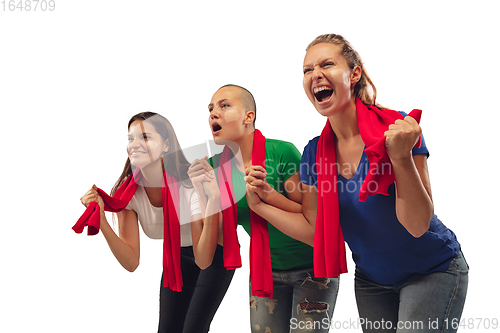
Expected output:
(364, 89)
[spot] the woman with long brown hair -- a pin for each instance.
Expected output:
(165, 203)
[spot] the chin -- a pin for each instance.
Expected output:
(221, 142)
(331, 109)
(325, 112)
(140, 164)
(217, 140)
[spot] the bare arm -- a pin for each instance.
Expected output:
(205, 226)
(256, 177)
(205, 233)
(293, 224)
(414, 206)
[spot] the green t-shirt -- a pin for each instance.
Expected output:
(282, 161)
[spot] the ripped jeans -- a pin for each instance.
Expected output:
(424, 303)
(300, 303)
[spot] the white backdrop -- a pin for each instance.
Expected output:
(71, 78)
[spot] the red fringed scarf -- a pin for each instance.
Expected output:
(172, 276)
(260, 252)
(329, 248)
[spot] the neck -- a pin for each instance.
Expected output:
(345, 123)
(152, 174)
(242, 149)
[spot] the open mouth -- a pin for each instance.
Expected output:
(322, 93)
(216, 127)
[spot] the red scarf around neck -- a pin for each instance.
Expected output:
(260, 252)
(172, 275)
(329, 247)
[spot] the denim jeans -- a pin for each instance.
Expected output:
(300, 303)
(192, 309)
(424, 303)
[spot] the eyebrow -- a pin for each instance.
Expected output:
(143, 133)
(218, 102)
(323, 60)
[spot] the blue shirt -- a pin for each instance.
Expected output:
(383, 250)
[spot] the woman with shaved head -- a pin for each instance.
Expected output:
(284, 294)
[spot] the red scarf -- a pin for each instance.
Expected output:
(172, 276)
(329, 248)
(260, 252)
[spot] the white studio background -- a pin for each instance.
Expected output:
(71, 78)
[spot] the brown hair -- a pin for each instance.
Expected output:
(174, 161)
(361, 88)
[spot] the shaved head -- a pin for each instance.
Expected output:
(246, 98)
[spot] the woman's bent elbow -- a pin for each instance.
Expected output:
(131, 266)
(416, 234)
(419, 231)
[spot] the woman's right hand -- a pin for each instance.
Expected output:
(255, 176)
(92, 196)
(202, 175)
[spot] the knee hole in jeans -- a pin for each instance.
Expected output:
(313, 307)
(253, 302)
(269, 303)
(267, 330)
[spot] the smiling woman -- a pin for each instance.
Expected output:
(155, 191)
(145, 145)
(153, 134)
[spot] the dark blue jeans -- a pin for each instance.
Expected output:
(424, 303)
(300, 303)
(192, 309)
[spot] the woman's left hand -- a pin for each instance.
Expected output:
(401, 137)
(210, 185)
